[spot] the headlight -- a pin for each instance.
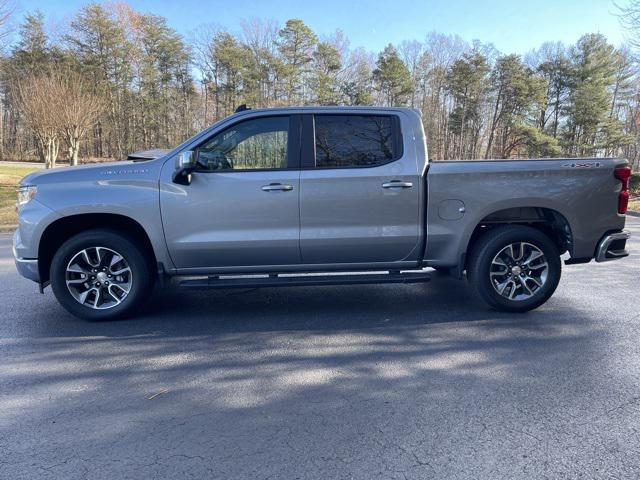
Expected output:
(26, 193)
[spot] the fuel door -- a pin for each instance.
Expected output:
(451, 209)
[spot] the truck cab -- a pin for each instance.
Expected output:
(298, 189)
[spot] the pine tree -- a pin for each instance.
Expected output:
(517, 91)
(593, 69)
(296, 44)
(99, 41)
(392, 77)
(326, 65)
(468, 84)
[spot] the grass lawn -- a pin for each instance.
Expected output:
(9, 178)
(634, 204)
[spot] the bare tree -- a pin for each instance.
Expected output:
(58, 105)
(411, 52)
(630, 19)
(34, 96)
(6, 10)
(78, 109)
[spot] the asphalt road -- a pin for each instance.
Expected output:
(363, 382)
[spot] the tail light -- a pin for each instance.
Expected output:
(623, 174)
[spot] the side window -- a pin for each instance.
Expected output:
(255, 144)
(356, 140)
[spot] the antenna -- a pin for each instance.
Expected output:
(242, 108)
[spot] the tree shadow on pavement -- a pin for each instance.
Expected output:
(386, 381)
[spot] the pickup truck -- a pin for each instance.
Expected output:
(314, 196)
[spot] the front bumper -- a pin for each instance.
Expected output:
(32, 220)
(28, 268)
(612, 247)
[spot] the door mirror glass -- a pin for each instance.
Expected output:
(186, 159)
(185, 165)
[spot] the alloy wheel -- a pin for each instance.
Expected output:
(99, 278)
(519, 271)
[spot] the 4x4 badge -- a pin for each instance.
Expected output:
(582, 165)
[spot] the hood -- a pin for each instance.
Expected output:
(148, 154)
(94, 170)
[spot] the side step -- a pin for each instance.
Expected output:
(289, 280)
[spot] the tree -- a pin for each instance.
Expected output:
(412, 53)
(99, 41)
(582, 99)
(296, 43)
(32, 53)
(77, 108)
(34, 95)
(326, 66)
(263, 65)
(392, 77)
(6, 10)
(630, 19)
(624, 82)
(553, 66)
(468, 85)
(536, 144)
(436, 100)
(516, 90)
(9, 72)
(593, 72)
(162, 77)
(357, 87)
(228, 60)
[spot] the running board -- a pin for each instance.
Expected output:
(288, 280)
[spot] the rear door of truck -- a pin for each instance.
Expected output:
(360, 189)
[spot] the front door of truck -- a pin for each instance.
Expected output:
(360, 191)
(241, 208)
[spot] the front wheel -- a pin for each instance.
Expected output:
(100, 275)
(514, 268)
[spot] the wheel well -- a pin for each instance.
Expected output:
(61, 230)
(550, 222)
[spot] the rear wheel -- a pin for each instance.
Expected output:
(100, 275)
(515, 268)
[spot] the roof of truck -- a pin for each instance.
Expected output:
(330, 108)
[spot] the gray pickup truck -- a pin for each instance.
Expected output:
(314, 196)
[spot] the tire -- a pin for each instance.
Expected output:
(126, 283)
(520, 287)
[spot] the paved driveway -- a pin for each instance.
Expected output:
(416, 381)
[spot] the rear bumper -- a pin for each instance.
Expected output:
(612, 247)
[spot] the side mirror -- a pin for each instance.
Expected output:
(185, 165)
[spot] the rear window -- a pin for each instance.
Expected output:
(356, 140)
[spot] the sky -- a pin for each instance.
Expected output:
(515, 26)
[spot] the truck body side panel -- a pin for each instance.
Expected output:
(129, 189)
(584, 191)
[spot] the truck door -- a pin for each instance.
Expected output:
(241, 208)
(360, 190)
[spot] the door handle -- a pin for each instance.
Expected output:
(276, 187)
(397, 184)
